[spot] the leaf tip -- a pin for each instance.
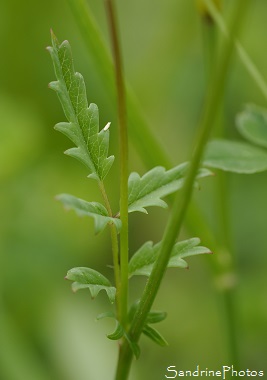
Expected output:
(91, 175)
(107, 126)
(54, 85)
(53, 36)
(49, 49)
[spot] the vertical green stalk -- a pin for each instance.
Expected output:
(123, 137)
(243, 55)
(223, 239)
(115, 250)
(209, 32)
(181, 203)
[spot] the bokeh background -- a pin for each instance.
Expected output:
(46, 332)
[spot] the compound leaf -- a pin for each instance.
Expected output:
(252, 124)
(83, 121)
(93, 209)
(233, 156)
(154, 335)
(148, 190)
(143, 260)
(89, 278)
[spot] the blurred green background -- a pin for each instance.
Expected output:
(45, 331)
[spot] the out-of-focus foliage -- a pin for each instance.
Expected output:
(237, 157)
(240, 157)
(252, 124)
(44, 329)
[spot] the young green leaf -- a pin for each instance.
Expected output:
(107, 314)
(154, 335)
(152, 317)
(156, 316)
(143, 260)
(148, 190)
(93, 209)
(83, 121)
(252, 124)
(119, 330)
(89, 278)
(118, 333)
(233, 156)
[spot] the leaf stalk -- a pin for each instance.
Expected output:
(123, 138)
(114, 246)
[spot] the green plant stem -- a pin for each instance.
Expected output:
(180, 205)
(243, 55)
(115, 250)
(123, 137)
(225, 280)
(229, 301)
(209, 32)
(222, 245)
